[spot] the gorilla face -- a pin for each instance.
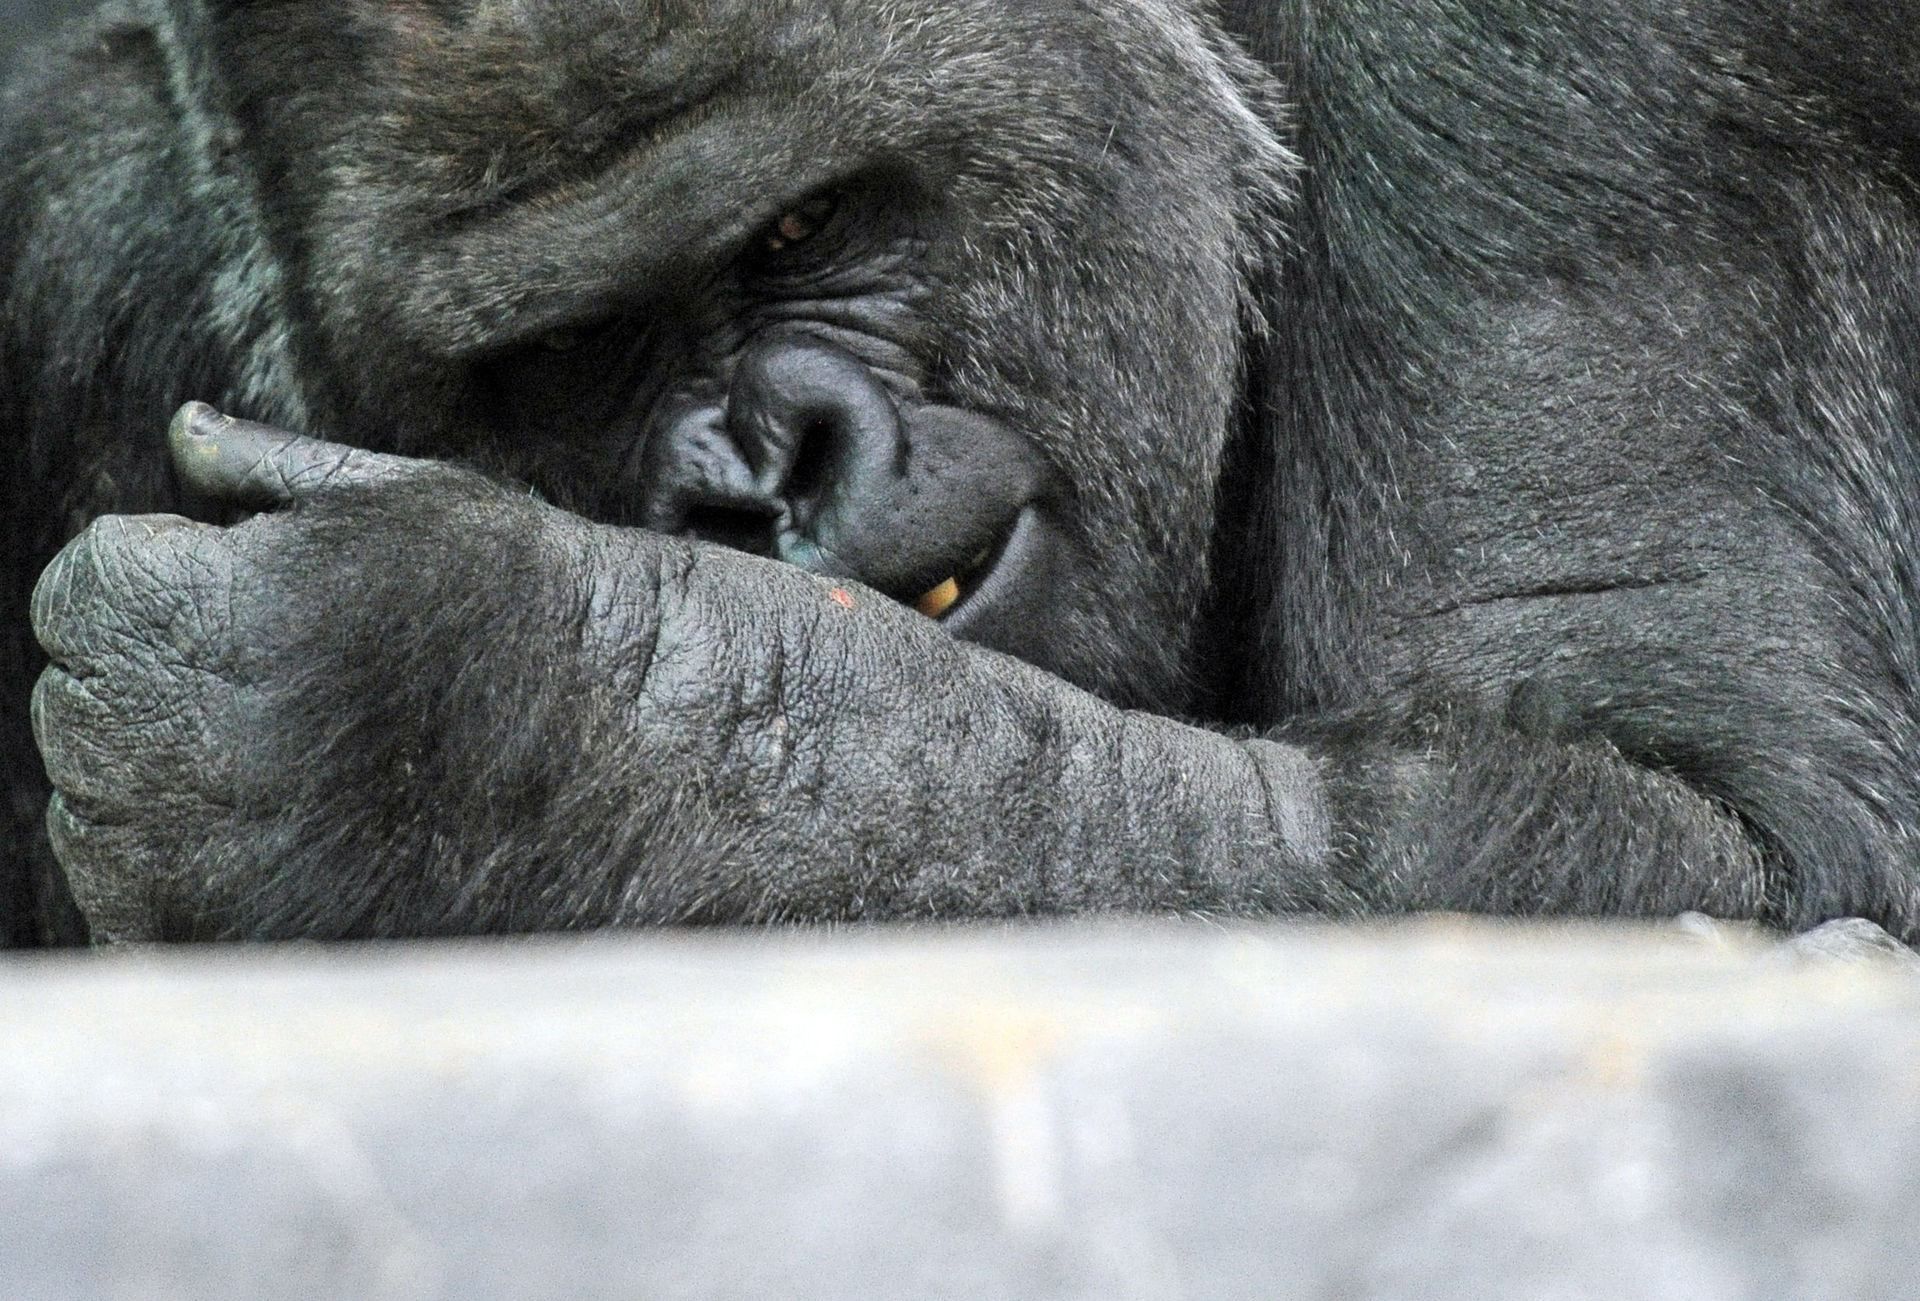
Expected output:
(889, 303)
(794, 415)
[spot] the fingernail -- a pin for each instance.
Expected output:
(197, 420)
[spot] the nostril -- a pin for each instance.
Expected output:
(813, 420)
(812, 471)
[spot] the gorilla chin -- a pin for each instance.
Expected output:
(1413, 455)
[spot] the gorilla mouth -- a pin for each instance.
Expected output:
(997, 572)
(809, 458)
(952, 595)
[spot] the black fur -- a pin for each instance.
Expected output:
(1508, 411)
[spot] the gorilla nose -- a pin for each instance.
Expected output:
(816, 426)
(801, 427)
(811, 460)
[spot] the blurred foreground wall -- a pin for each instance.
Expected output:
(1425, 1111)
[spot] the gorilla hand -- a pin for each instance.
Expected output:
(162, 671)
(414, 701)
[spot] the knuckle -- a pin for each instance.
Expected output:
(116, 739)
(82, 843)
(104, 870)
(118, 569)
(83, 739)
(58, 599)
(674, 639)
(633, 589)
(68, 833)
(49, 710)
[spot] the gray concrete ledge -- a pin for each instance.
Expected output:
(1425, 1111)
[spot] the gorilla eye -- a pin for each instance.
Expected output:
(798, 225)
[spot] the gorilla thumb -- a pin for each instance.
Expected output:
(240, 464)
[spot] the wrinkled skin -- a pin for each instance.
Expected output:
(808, 748)
(717, 737)
(1504, 454)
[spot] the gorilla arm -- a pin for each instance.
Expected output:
(411, 701)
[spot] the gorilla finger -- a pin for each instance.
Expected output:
(258, 467)
(107, 872)
(60, 710)
(82, 750)
(85, 588)
(107, 737)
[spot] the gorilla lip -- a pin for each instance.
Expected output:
(989, 574)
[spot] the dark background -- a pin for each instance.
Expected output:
(22, 21)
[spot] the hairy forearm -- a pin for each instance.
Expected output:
(417, 702)
(711, 737)
(861, 763)
(848, 759)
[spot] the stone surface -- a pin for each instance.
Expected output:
(1430, 1111)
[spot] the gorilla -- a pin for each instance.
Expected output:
(834, 460)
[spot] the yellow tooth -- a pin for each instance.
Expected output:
(939, 600)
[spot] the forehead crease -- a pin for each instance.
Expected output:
(647, 227)
(543, 86)
(560, 57)
(653, 49)
(547, 94)
(527, 224)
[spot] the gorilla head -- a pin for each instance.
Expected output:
(888, 300)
